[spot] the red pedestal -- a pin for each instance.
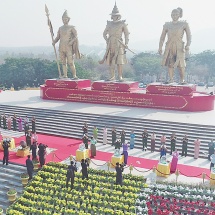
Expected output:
(175, 89)
(197, 102)
(68, 83)
(114, 86)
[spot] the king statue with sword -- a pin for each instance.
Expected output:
(115, 54)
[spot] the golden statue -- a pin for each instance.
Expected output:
(175, 50)
(115, 51)
(68, 47)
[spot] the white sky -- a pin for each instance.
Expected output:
(24, 23)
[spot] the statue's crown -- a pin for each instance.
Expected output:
(115, 10)
(65, 14)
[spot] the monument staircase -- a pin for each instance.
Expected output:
(9, 179)
(69, 124)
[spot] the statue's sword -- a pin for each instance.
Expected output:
(126, 47)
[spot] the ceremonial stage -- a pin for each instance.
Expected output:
(61, 148)
(157, 95)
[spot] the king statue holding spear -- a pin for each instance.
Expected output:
(68, 46)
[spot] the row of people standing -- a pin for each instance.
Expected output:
(146, 138)
(163, 140)
(8, 122)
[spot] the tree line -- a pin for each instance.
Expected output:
(145, 67)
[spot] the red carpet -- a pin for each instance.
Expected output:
(64, 148)
(186, 170)
(67, 146)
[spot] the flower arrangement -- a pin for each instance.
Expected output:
(165, 199)
(11, 195)
(98, 195)
(35, 161)
(24, 175)
(11, 192)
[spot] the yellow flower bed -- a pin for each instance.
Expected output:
(47, 194)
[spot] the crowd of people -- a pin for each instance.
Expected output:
(17, 123)
(118, 140)
(72, 168)
(31, 139)
(149, 142)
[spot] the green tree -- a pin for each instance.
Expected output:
(21, 72)
(146, 63)
(207, 60)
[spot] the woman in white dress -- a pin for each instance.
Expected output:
(196, 148)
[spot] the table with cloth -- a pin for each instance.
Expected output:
(115, 159)
(164, 168)
(23, 152)
(212, 178)
(82, 154)
(12, 143)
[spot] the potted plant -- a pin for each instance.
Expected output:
(24, 177)
(36, 164)
(1, 211)
(11, 195)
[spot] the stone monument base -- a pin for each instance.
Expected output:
(115, 86)
(171, 97)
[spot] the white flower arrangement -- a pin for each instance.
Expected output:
(144, 195)
(141, 210)
(82, 147)
(117, 153)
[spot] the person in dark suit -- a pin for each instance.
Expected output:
(33, 125)
(85, 141)
(145, 139)
(28, 138)
(14, 122)
(118, 144)
(34, 150)
(84, 170)
(4, 118)
(70, 175)
(184, 146)
(172, 143)
(113, 134)
(211, 147)
(123, 134)
(6, 145)
(119, 169)
(26, 128)
(30, 167)
(42, 153)
(85, 128)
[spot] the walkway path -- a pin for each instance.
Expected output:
(31, 98)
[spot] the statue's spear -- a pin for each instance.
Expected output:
(52, 36)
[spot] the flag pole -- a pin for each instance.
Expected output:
(52, 36)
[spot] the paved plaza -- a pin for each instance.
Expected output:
(31, 98)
